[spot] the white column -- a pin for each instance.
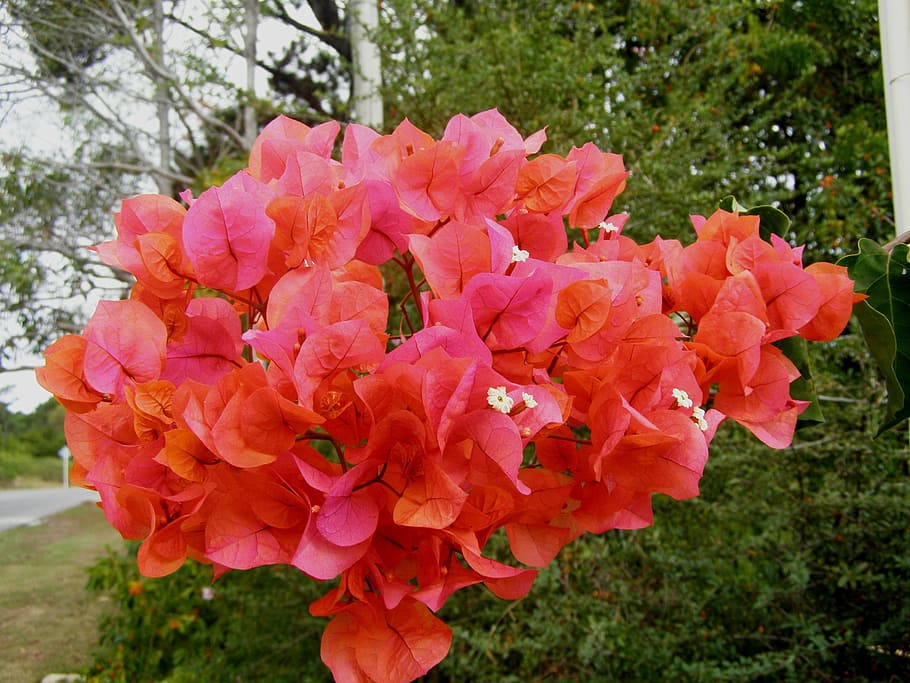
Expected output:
(64, 454)
(894, 22)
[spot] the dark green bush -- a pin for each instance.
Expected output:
(248, 626)
(793, 565)
(29, 444)
(16, 465)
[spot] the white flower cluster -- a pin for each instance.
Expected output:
(698, 417)
(519, 255)
(682, 398)
(698, 414)
(499, 400)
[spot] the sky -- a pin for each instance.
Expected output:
(20, 391)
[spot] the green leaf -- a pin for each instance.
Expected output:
(730, 204)
(885, 318)
(879, 335)
(772, 220)
(802, 388)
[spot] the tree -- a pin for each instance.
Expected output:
(91, 62)
(143, 104)
(39, 434)
(772, 102)
(50, 215)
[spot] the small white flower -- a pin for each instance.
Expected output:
(519, 255)
(682, 398)
(698, 416)
(208, 593)
(608, 226)
(499, 400)
(529, 399)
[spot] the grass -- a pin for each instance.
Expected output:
(48, 621)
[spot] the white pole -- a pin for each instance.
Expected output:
(364, 18)
(64, 454)
(894, 23)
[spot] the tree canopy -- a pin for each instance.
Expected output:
(773, 102)
(770, 101)
(142, 99)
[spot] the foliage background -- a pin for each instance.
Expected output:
(769, 100)
(792, 565)
(29, 444)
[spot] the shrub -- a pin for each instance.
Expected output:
(791, 566)
(247, 626)
(17, 465)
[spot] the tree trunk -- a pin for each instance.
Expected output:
(251, 16)
(362, 20)
(162, 104)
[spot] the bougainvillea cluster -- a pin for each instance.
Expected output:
(257, 400)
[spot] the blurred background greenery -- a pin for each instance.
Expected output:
(29, 444)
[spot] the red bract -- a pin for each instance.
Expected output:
(252, 403)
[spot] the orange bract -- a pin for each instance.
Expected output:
(546, 183)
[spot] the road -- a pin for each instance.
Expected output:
(29, 506)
